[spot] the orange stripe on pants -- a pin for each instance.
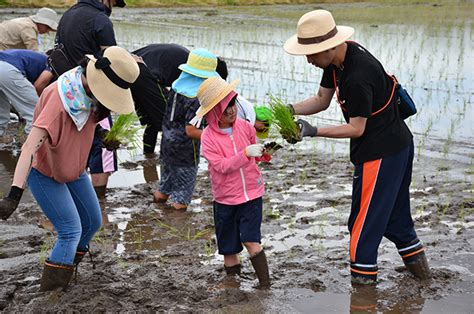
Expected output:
(370, 172)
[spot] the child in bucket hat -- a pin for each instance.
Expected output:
(180, 145)
(229, 145)
(63, 129)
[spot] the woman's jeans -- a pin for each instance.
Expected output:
(72, 208)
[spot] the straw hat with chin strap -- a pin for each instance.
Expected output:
(110, 77)
(317, 32)
(211, 92)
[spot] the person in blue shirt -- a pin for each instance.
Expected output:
(21, 81)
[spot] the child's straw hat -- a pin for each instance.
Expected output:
(211, 92)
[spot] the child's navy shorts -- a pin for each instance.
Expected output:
(236, 224)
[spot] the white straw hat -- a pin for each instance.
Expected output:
(211, 92)
(110, 77)
(317, 32)
(46, 16)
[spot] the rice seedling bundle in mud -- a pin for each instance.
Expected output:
(283, 119)
(126, 130)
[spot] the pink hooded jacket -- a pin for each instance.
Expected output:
(235, 178)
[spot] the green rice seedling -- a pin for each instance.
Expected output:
(283, 119)
(126, 130)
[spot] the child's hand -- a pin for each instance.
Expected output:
(254, 150)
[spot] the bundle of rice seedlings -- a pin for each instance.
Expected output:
(283, 119)
(126, 130)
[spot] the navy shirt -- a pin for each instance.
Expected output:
(177, 149)
(364, 87)
(29, 63)
(84, 28)
(163, 60)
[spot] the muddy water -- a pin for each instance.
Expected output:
(149, 257)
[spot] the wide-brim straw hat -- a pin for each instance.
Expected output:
(211, 92)
(110, 77)
(46, 16)
(201, 63)
(317, 32)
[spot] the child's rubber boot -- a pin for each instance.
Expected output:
(233, 270)
(259, 263)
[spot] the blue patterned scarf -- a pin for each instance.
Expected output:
(74, 97)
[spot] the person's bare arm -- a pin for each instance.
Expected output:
(193, 132)
(35, 140)
(315, 104)
(355, 128)
(42, 81)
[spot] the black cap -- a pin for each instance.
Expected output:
(120, 3)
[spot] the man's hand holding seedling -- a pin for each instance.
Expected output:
(306, 129)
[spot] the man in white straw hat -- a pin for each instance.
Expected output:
(54, 157)
(22, 33)
(381, 145)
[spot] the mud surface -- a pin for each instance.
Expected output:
(150, 257)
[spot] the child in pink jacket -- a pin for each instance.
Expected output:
(229, 145)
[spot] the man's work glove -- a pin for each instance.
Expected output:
(306, 129)
(9, 203)
(254, 150)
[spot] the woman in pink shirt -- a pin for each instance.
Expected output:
(54, 156)
(229, 145)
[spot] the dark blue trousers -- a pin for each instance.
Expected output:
(381, 208)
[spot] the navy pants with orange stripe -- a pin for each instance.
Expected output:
(381, 208)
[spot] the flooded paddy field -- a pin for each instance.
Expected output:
(148, 257)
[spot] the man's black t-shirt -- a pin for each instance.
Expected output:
(84, 28)
(363, 88)
(163, 60)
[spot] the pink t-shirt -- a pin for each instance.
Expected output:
(64, 156)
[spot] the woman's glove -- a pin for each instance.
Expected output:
(306, 129)
(254, 150)
(110, 145)
(10, 203)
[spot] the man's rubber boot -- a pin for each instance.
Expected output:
(418, 266)
(259, 263)
(233, 270)
(56, 276)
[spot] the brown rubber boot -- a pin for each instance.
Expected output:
(418, 266)
(259, 263)
(232, 270)
(56, 276)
